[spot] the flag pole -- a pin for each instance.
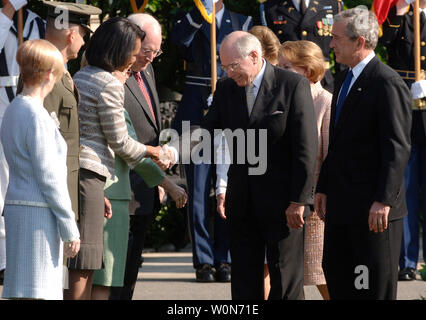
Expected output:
(20, 27)
(213, 49)
(417, 66)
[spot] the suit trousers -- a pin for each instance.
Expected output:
(139, 226)
(359, 264)
(205, 248)
(415, 186)
(248, 241)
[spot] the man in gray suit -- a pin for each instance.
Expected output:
(142, 103)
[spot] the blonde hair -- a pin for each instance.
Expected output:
(36, 58)
(307, 55)
(269, 41)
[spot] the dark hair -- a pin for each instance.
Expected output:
(112, 44)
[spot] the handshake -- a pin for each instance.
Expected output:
(163, 156)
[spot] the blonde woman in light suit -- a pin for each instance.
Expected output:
(38, 213)
(305, 58)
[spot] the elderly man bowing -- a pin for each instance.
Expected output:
(265, 209)
(360, 188)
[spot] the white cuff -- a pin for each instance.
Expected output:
(18, 4)
(220, 190)
(175, 153)
(418, 89)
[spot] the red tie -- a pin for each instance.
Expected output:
(145, 93)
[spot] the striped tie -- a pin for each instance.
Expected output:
(250, 98)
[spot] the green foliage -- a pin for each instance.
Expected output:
(169, 226)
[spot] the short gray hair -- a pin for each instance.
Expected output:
(246, 44)
(144, 19)
(361, 22)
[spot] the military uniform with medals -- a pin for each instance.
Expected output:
(289, 23)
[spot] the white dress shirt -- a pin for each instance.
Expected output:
(297, 4)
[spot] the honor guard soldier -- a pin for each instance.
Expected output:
(191, 33)
(33, 28)
(398, 37)
(311, 20)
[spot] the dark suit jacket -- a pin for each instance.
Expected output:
(284, 107)
(147, 131)
(369, 148)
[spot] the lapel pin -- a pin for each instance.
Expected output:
(227, 20)
(359, 89)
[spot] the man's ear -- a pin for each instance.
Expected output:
(361, 43)
(254, 55)
(70, 36)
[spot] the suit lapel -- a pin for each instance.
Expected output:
(239, 106)
(225, 28)
(311, 11)
(264, 95)
(149, 77)
(289, 11)
(133, 86)
(355, 94)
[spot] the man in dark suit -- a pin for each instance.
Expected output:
(360, 188)
(398, 37)
(191, 33)
(142, 103)
(265, 209)
(310, 20)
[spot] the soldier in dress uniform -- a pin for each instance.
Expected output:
(310, 20)
(66, 25)
(191, 33)
(33, 28)
(398, 37)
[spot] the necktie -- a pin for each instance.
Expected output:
(145, 93)
(250, 98)
(303, 7)
(343, 94)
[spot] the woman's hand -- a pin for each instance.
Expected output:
(177, 193)
(71, 248)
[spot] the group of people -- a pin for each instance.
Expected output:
(70, 185)
(330, 209)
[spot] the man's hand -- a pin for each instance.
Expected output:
(108, 209)
(320, 203)
(378, 217)
(221, 205)
(153, 152)
(166, 158)
(177, 193)
(71, 248)
(294, 214)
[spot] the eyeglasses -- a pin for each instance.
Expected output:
(231, 67)
(148, 52)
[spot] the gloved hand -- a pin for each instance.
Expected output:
(418, 89)
(209, 100)
(18, 4)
